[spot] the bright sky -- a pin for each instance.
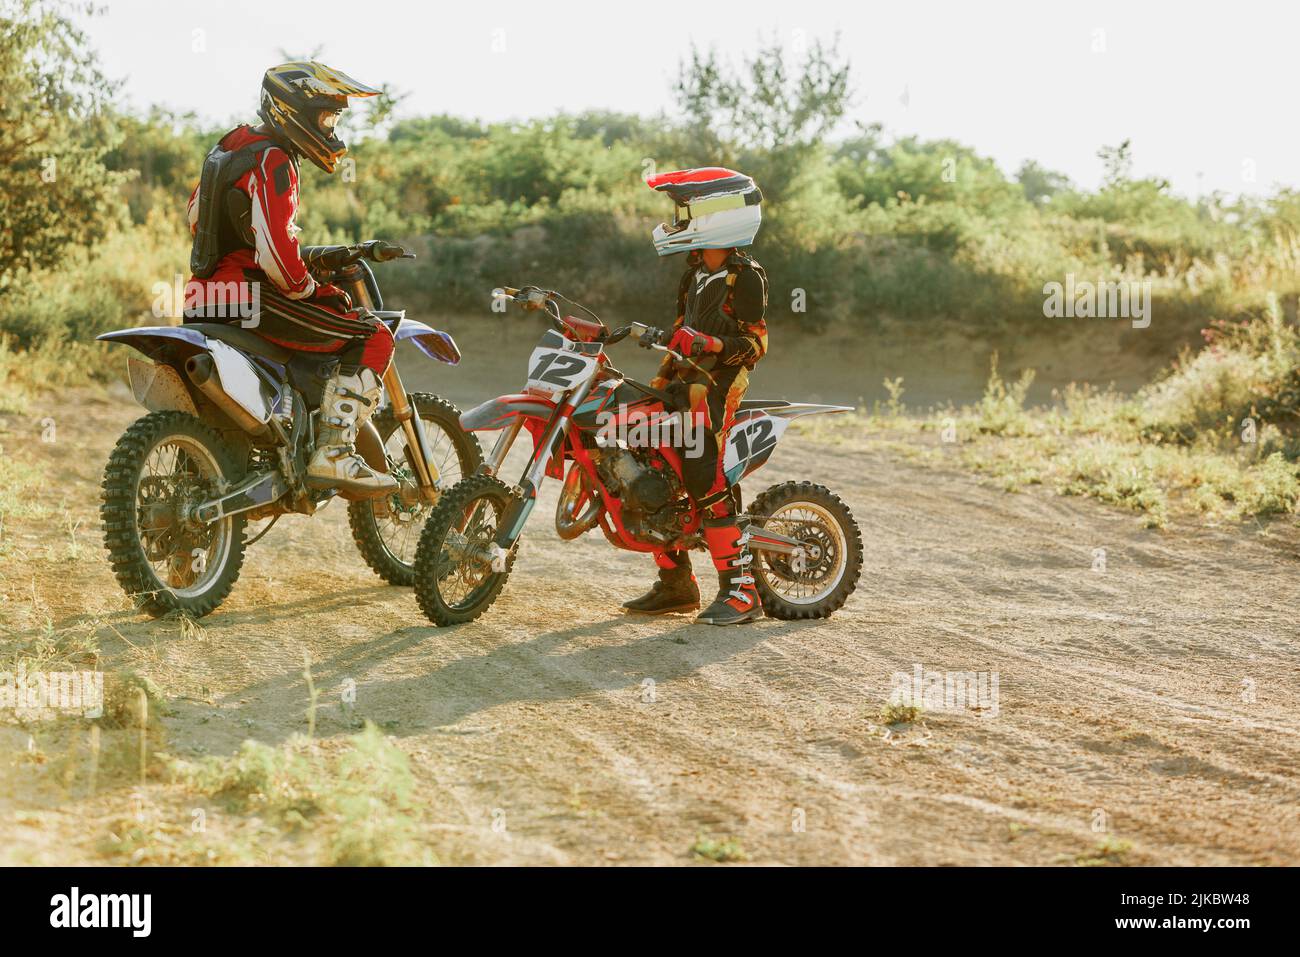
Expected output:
(1206, 91)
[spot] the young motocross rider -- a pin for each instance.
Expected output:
(721, 306)
(242, 219)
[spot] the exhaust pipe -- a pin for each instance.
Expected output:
(202, 371)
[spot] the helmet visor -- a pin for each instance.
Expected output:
(681, 219)
(683, 214)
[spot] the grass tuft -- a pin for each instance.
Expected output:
(721, 850)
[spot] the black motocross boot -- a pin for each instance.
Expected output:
(737, 600)
(676, 589)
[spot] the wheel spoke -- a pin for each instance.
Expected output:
(177, 474)
(825, 554)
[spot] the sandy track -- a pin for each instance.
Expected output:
(1120, 691)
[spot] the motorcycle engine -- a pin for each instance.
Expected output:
(648, 494)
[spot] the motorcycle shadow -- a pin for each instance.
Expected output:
(118, 627)
(507, 671)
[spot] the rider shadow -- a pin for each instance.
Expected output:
(536, 670)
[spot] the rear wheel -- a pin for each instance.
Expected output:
(163, 466)
(819, 582)
(387, 529)
(459, 571)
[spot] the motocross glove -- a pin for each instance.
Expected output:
(332, 297)
(687, 342)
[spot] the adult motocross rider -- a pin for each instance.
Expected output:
(242, 215)
(721, 325)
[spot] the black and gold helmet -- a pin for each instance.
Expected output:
(301, 103)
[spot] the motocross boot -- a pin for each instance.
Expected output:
(737, 600)
(676, 589)
(348, 403)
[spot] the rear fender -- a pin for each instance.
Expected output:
(779, 408)
(756, 429)
(163, 386)
(158, 387)
(170, 344)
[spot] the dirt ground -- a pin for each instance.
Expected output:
(1148, 705)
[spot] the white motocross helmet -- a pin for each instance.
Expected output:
(716, 208)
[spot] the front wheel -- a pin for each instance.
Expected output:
(166, 560)
(459, 570)
(387, 529)
(818, 582)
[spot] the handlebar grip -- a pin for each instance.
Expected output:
(652, 337)
(383, 251)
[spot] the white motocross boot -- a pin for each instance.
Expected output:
(347, 404)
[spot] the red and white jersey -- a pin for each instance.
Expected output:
(272, 189)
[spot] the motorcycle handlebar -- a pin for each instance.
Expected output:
(531, 297)
(334, 258)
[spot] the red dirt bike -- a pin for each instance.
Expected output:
(576, 405)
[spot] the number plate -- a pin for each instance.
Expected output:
(553, 371)
(751, 439)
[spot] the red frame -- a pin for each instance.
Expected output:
(611, 508)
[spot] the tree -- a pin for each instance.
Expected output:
(1117, 164)
(769, 112)
(915, 170)
(55, 128)
(1040, 183)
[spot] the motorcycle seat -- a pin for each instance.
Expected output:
(244, 340)
(749, 405)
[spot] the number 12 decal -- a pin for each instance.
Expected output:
(558, 369)
(752, 439)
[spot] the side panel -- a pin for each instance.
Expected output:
(240, 380)
(750, 442)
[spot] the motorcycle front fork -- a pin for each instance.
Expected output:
(552, 440)
(426, 473)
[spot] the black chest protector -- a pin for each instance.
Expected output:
(704, 299)
(224, 213)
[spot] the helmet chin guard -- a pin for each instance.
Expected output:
(716, 208)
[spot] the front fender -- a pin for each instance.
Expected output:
(432, 342)
(501, 412)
